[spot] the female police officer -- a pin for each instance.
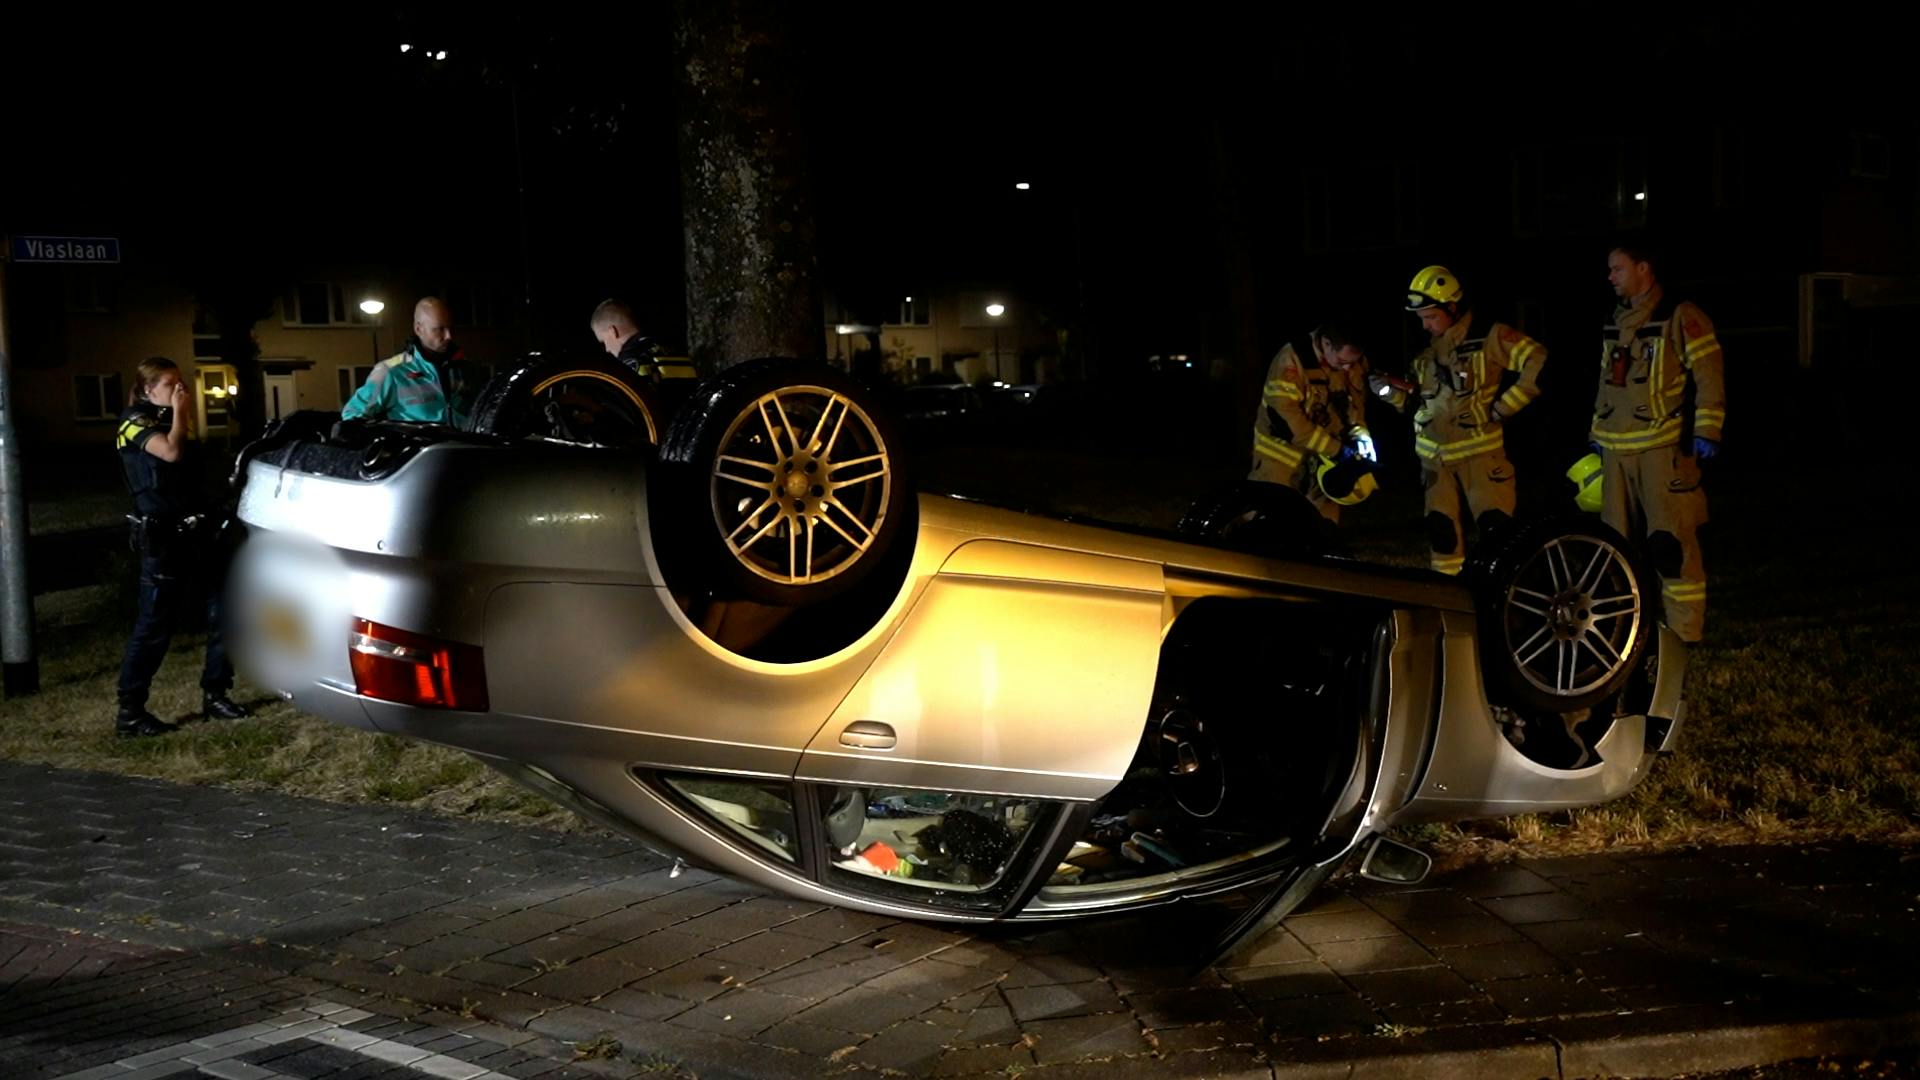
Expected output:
(174, 530)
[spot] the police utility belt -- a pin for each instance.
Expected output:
(154, 534)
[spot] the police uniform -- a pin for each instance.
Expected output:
(643, 355)
(1662, 385)
(1305, 409)
(175, 533)
(1471, 379)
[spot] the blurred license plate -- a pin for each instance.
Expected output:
(282, 626)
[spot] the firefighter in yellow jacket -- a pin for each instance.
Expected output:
(1661, 405)
(1312, 407)
(1471, 380)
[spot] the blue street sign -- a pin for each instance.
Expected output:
(66, 249)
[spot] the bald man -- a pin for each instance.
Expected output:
(614, 328)
(429, 380)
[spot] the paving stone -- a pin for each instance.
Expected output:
(1355, 925)
(1495, 882)
(1548, 995)
(1459, 930)
(1579, 936)
(1073, 1038)
(1068, 999)
(862, 1010)
(986, 1026)
(1444, 1013)
(626, 924)
(1047, 970)
(1197, 1039)
(1309, 978)
(643, 1004)
(698, 979)
(1502, 960)
(811, 1040)
(523, 926)
(583, 981)
(1415, 986)
(1196, 1005)
(979, 1060)
(661, 949)
(1278, 947)
(1330, 1015)
(736, 921)
(909, 1047)
(772, 950)
(544, 952)
(1537, 908)
(489, 973)
(1374, 954)
(930, 980)
(1438, 903)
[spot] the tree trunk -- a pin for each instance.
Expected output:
(752, 273)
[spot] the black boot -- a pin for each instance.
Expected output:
(133, 723)
(218, 706)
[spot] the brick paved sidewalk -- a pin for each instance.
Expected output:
(544, 946)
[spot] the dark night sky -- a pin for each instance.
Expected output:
(310, 138)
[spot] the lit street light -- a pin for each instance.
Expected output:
(373, 308)
(994, 311)
(1023, 186)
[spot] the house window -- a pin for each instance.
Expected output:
(351, 379)
(1871, 157)
(474, 305)
(88, 291)
(1362, 209)
(96, 397)
(320, 303)
(1585, 187)
(914, 310)
(1729, 168)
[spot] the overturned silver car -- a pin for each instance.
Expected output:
(755, 647)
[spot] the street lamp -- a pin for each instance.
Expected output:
(373, 308)
(994, 311)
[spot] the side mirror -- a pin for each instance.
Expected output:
(1394, 863)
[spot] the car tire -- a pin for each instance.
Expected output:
(779, 481)
(1260, 519)
(1566, 609)
(597, 400)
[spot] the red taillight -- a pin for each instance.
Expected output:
(412, 669)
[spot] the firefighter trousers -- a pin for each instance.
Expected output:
(1655, 495)
(1484, 482)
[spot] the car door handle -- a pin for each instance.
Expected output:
(868, 735)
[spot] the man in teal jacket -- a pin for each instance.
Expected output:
(428, 380)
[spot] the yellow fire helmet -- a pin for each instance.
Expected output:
(1345, 482)
(1586, 478)
(1433, 287)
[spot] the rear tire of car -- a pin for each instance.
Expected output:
(597, 400)
(779, 481)
(1260, 519)
(1566, 609)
